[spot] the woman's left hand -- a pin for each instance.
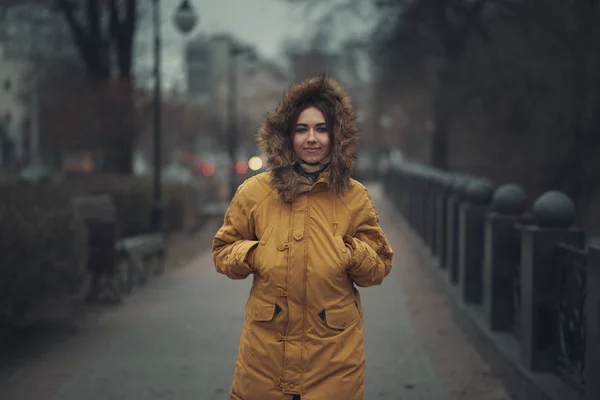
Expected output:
(349, 252)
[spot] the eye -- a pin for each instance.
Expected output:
(322, 129)
(300, 130)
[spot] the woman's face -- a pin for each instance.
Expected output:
(311, 136)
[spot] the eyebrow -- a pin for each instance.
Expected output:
(319, 124)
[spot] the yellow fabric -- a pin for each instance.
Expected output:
(303, 330)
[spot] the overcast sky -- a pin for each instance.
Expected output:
(264, 23)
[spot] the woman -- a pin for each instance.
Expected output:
(308, 233)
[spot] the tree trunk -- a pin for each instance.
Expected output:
(439, 137)
(93, 46)
(120, 144)
(442, 115)
(116, 112)
(123, 25)
(122, 29)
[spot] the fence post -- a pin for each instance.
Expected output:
(448, 236)
(398, 183)
(426, 210)
(407, 192)
(553, 217)
(413, 196)
(479, 194)
(455, 181)
(396, 186)
(436, 212)
(424, 204)
(502, 252)
(442, 204)
(386, 180)
(420, 203)
(429, 215)
(592, 305)
(452, 229)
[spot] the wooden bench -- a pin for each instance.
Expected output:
(145, 254)
(115, 264)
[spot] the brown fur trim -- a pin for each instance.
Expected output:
(274, 140)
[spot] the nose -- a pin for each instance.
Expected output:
(312, 137)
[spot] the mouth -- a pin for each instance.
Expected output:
(312, 150)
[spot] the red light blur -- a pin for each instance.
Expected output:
(208, 169)
(241, 167)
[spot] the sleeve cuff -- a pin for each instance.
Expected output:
(349, 240)
(247, 252)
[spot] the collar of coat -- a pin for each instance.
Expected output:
(276, 143)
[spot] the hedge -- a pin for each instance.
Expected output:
(43, 246)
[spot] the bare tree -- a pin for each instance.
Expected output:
(95, 40)
(530, 81)
(442, 28)
(101, 29)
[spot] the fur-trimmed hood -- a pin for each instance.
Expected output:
(275, 140)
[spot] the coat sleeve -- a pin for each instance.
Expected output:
(371, 252)
(233, 243)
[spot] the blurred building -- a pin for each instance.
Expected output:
(207, 60)
(263, 92)
(14, 110)
(32, 36)
(35, 32)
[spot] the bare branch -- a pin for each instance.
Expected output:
(122, 32)
(77, 32)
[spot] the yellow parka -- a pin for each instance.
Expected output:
(303, 330)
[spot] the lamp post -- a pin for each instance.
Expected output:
(232, 134)
(185, 19)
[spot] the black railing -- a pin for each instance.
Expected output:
(515, 299)
(530, 271)
(570, 275)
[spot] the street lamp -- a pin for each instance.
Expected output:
(185, 19)
(234, 51)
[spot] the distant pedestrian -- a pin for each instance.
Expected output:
(309, 234)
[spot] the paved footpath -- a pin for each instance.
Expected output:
(177, 338)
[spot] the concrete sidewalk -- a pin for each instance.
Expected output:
(178, 337)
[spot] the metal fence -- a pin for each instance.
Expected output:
(530, 271)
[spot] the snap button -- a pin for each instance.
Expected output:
(291, 386)
(282, 246)
(280, 337)
(276, 381)
(280, 292)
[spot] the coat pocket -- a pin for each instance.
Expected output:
(341, 318)
(260, 310)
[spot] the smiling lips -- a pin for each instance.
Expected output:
(313, 150)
